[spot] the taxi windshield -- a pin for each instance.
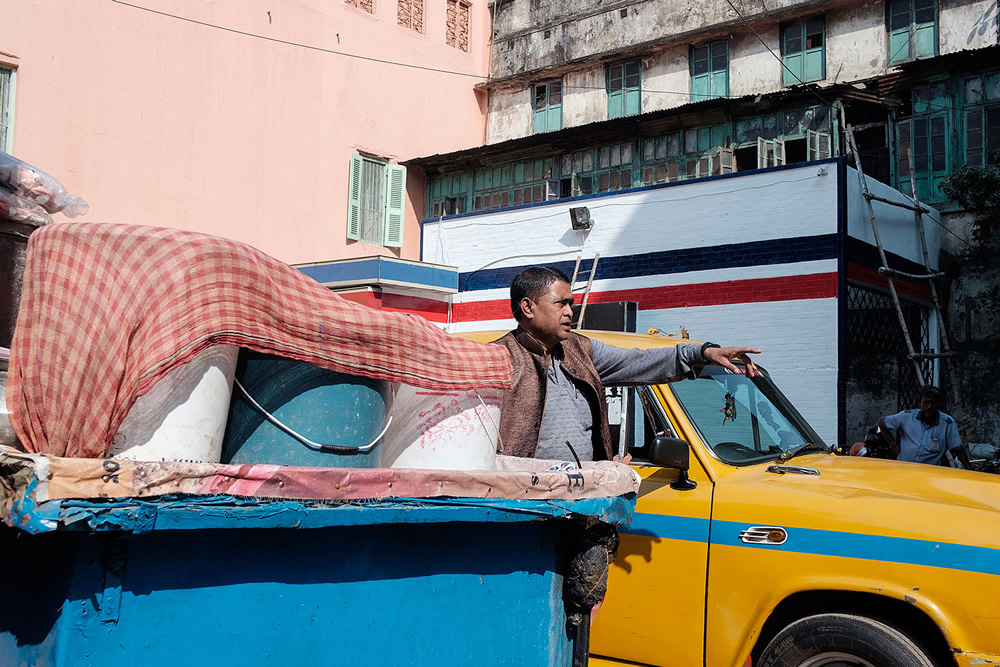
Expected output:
(742, 420)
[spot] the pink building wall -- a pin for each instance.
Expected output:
(218, 122)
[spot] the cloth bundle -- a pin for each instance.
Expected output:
(29, 195)
(108, 310)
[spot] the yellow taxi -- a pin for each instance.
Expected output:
(753, 543)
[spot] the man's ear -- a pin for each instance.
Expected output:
(527, 308)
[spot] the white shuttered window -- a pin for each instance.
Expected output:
(377, 202)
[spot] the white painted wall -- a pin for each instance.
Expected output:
(752, 68)
(510, 113)
(666, 79)
(856, 42)
(896, 226)
(585, 98)
(750, 207)
(799, 337)
(966, 25)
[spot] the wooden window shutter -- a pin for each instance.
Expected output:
(728, 159)
(354, 199)
(762, 156)
(395, 205)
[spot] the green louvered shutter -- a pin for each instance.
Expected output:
(395, 203)
(354, 200)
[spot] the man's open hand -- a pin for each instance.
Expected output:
(722, 356)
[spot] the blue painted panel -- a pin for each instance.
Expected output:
(361, 270)
(228, 512)
(442, 594)
(376, 269)
(418, 275)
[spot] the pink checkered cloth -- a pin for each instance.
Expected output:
(107, 310)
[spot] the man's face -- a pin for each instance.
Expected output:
(929, 407)
(549, 318)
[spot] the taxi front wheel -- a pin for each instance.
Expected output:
(842, 640)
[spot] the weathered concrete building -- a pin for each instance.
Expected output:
(590, 97)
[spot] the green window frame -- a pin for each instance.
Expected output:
(376, 201)
(709, 65)
(7, 75)
(514, 184)
(448, 194)
(546, 106)
(912, 26)
(602, 169)
(927, 137)
(803, 51)
(982, 136)
(624, 84)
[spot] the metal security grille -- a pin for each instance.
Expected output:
(872, 325)
(372, 201)
(6, 79)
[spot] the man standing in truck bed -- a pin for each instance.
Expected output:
(556, 408)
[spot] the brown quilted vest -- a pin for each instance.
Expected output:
(521, 413)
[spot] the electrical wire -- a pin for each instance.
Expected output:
(649, 91)
(776, 56)
(295, 44)
(477, 76)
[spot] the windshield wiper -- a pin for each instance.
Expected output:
(802, 448)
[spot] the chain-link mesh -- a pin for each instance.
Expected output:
(873, 326)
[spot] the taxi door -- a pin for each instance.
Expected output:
(654, 612)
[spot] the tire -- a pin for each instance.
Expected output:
(842, 640)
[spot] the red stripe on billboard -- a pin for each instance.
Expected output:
(786, 288)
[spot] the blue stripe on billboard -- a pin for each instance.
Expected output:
(732, 255)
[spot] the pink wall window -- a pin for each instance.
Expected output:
(457, 26)
(410, 14)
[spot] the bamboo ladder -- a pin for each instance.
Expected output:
(578, 276)
(914, 356)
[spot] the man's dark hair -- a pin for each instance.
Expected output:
(532, 283)
(931, 392)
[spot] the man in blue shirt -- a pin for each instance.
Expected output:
(927, 433)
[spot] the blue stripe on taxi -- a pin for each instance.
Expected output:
(824, 543)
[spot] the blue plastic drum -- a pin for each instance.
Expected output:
(336, 413)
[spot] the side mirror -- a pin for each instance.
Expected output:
(673, 453)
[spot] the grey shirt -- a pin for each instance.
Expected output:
(567, 415)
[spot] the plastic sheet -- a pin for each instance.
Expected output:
(33, 184)
(19, 209)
